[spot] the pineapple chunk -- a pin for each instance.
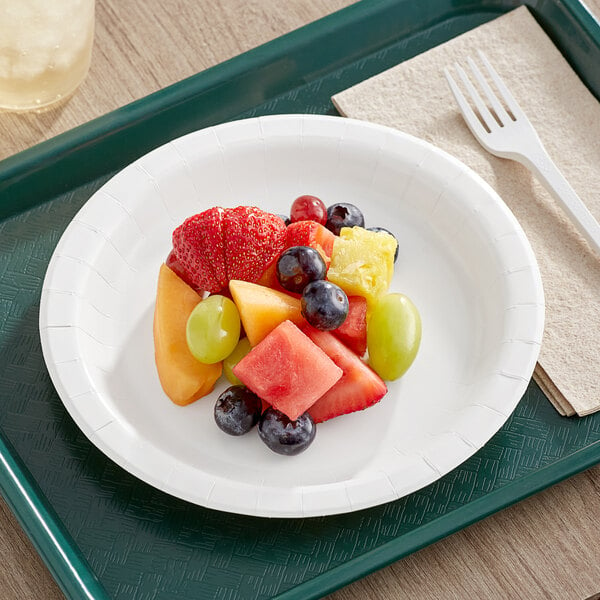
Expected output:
(362, 262)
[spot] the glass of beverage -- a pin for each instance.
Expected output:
(45, 50)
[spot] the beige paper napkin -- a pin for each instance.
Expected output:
(414, 97)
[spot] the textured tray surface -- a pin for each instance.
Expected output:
(142, 543)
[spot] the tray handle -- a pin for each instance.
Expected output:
(58, 550)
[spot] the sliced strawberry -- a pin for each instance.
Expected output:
(220, 244)
(212, 236)
(353, 331)
(313, 234)
(358, 388)
(196, 267)
(269, 276)
(198, 246)
(178, 269)
(253, 239)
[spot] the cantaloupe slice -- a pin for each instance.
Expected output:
(262, 309)
(183, 378)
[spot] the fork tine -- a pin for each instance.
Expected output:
(489, 93)
(512, 104)
(484, 112)
(469, 115)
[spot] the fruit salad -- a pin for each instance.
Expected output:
(293, 310)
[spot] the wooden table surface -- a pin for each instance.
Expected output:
(544, 547)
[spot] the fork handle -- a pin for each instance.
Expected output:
(554, 181)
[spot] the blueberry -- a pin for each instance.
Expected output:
(237, 410)
(285, 436)
(324, 305)
(343, 214)
(376, 229)
(298, 266)
(285, 219)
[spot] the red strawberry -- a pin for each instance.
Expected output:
(358, 388)
(269, 277)
(353, 331)
(212, 236)
(220, 244)
(313, 234)
(198, 246)
(176, 267)
(253, 239)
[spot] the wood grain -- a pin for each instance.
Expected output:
(141, 47)
(544, 547)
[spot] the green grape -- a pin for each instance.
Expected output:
(213, 329)
(242, 348)
(393, 335)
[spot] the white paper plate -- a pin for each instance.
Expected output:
(464, 261)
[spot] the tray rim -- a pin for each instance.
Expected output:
(16, 482)
(437, 529)
(30, 160)
(45, 530)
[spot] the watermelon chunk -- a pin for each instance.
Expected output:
(353, 331)
(357, 389)
(287, 370)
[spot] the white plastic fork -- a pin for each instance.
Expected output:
(509, 134)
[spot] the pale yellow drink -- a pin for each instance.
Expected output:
(45, 50)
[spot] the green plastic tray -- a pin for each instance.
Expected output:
(105, 534)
